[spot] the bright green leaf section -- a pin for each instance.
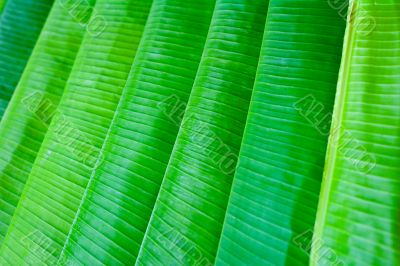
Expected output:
(71, 148)
(2, 4)
(358, 216)
(20, 25)
(115, 213)
(275, 190)
(188, 216)
(35, 100)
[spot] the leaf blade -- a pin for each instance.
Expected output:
(141, 139)
(275, 190)
(188, 215)
(70, 150)
(20, 25)
(359, 199)
(35, 100)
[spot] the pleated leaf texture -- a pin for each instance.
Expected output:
(188, 216)
(20, 24)
(35, 100)
(358, 215)
(73, 145)
(172, 132)
(122, 191)
(277, 182)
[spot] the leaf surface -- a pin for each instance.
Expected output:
(187, 219)
(35, 100)
(358, 216)
(276, 186)
(20, 24)
(115, 213)
(73, 144)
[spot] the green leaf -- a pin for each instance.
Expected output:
(358, 215)
(20, 24)
(34, 102)
(72, 145)
(120, 196)
(188, 216)
(275, 190)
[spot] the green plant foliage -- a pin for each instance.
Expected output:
(20, 24)
(358, 215)
(275, 190)
(35, 100)
(172, 132)
(115, 213)
(187, 219)
(71, 148)
(120, 198)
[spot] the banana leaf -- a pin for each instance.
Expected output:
(187, 219)
(71, 147)
(116, 209)
(358, 215)
(20, 24)
(277, 182)
(35, 99)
